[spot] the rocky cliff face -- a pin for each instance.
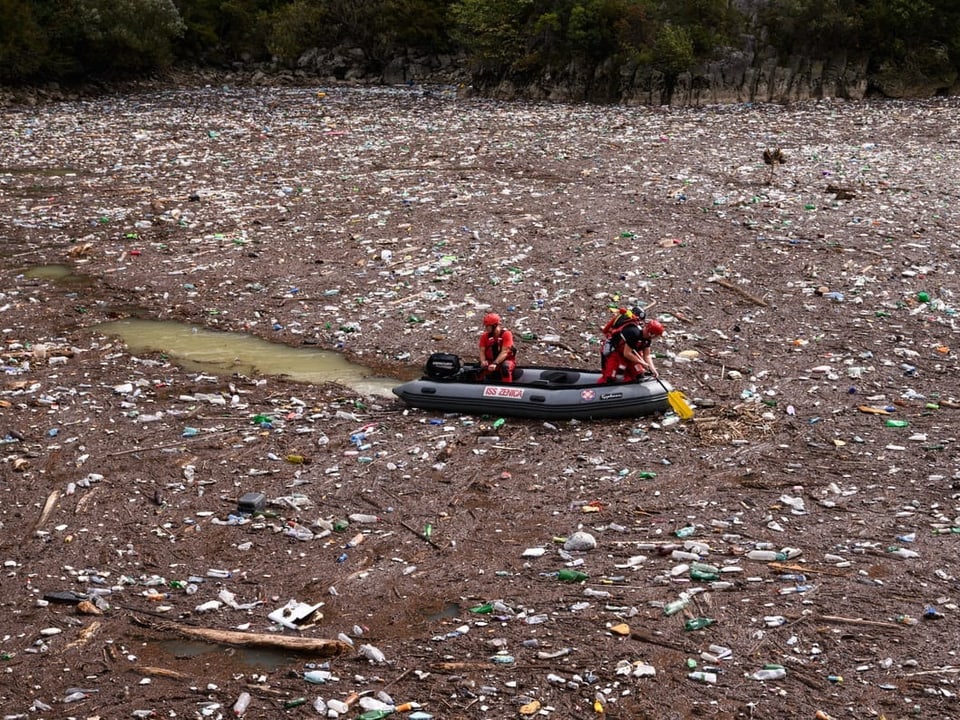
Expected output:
(736, 79)
(741, 76)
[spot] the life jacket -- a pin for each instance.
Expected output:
(614, 328)
(492, 349)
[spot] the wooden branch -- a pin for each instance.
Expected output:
(741, 292)
(182, 441)
(88, 632)
(463, 665)
(858, 621)
(420, 535)
(647, 638)
(160, 672)
(313, 646)
(559, 344)
(47, 509)
(792, 567)
(949, 669)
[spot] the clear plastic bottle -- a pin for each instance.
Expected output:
(317, 677)
(672, 608)
(338, 706)
(770, 673)
(363, 518)
(902, 553)
(766, 556)
(242, 703)
(372, 653)
(590, 592)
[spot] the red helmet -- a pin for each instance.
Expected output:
(655, 328)
(491, 319)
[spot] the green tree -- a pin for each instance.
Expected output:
(297, 27)
(381, 28)
(673, 53)
(814, 27)
(23, 43)
(492, 31)
(124, 36)
(418, 24)
(592, 28)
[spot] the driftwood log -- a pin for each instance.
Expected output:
(741, 292)
(308, 646)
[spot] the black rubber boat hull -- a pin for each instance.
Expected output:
(546, 393)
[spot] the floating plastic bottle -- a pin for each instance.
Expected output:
(672, 608)
(376, 714)
(698, 623)
(590, 592)
(363, 518)
(902, 553)
(571, 576)
(242, 703)
(317, 677)
(338, 706)
(703, 571)
(372, 653)
(766, 556)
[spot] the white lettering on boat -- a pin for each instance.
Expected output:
(511, 393)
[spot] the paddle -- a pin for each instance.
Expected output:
(677, 401)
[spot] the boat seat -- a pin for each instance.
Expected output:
(561, 377)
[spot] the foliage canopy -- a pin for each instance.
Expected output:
(42, 40)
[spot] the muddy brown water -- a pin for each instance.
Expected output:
(203, 350)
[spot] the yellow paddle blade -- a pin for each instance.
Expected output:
(679, 404)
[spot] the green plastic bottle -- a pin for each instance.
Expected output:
(698, 623)
(571, 576)
(376, 714)
(704, 572)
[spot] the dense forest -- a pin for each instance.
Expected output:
(71, 41)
